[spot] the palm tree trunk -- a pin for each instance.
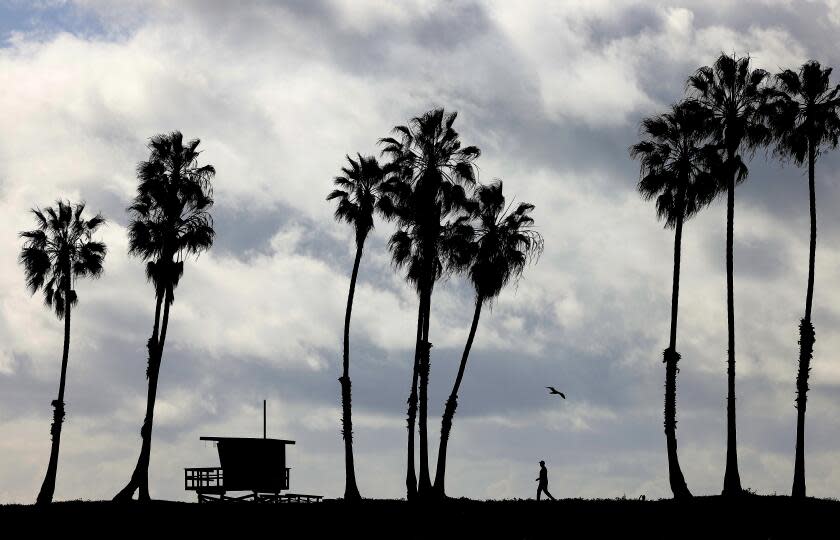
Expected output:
(45, 496)
(351, 490)
(430, 232)
(140, 476)
(451, 405)
(424, 484)
(731, 478)
(806, 342)
(671, 357)
(410, 474)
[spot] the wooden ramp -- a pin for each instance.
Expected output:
(270, 498)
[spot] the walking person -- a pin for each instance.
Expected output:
(543, 482)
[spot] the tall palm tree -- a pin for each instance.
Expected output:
(735, 96)
(432, 169)
(504, 242)
(57, 252)
(169, 220)
(805, 122)
(357, 194)
(675, 172)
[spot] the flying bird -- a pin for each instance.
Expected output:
(553, 391)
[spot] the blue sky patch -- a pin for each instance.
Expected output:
(43, 19)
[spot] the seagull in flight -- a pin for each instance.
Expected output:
(553, 391)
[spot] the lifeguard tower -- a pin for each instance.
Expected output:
(247, 464)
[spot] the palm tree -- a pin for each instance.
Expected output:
(57, 252)
(504, 242)
(432, 169)
(735, 96)
(357, 193)
(804, 122)
(170, 220)
(675, 172)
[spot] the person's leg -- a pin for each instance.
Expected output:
(539, 489)
(550, 496)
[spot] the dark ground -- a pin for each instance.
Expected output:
(702, 517)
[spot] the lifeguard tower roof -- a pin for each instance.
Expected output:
(219, 439)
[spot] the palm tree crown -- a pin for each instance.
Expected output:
(357, 191)
(451, 250)
(805, 111)
(735, 97)
(504, 241)
(431, 171)
(676, 165)
(170, 215)
(59, 250)
(429, 152)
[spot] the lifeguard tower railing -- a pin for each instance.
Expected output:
(212, 479)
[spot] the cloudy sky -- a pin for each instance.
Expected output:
(278, 93)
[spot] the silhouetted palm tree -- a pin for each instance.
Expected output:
(504, 242)
(805, 121)
(170, 219)
(357, 193)
(735, 96)
(57, 252)
(432, 170)
(675, 172)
